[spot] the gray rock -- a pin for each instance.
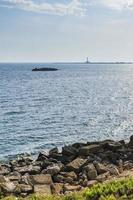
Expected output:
(42, 179)
(100, 168)
(14, 176)
(7, 187)
(57, 188)
(43, 156)
(130, 144)
(76, 165)
(4, 170)
(90, 171)
(28, 169)
(25, 188)
(103, 177)
(3, 179)
(71, 188)
(58, 178)
(111, 145)
(86, 150)
(69, 151)
(53, 170)
(113, 170)
(42, 189)
(53, 151)
(71, 175)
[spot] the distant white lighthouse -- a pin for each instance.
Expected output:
(87, 60)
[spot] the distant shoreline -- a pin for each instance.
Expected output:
(86, 63)
(123, 63)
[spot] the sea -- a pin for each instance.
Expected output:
(77, 103)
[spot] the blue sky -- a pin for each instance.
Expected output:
(66, 30)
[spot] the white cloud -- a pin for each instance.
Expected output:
(75, 7)
(117, 4)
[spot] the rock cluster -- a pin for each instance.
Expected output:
(77, 166)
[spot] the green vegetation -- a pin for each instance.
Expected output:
(116, 190)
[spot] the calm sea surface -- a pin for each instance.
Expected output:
(78, 103)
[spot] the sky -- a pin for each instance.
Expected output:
(66, 30)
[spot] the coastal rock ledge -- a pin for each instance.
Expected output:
(78, 166)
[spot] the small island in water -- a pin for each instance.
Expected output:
(44, 69)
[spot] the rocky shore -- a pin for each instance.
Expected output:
(76, 167)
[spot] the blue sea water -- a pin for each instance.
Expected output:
(78, 103)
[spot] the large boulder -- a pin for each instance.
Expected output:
(111, 145)
(53, 170)
(69, 151)
(72, 175)
(25, 188)
(14, 176)
(31, 169)
(7, 188)
(90, 149)
(100, 168)
(76, 165)
(42, 189)
(41, 179)
(90, 171)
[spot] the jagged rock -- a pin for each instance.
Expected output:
(111, 156)
(100, 168)
(71, 175)
(128, 165)
(28, 169)
(90, 171)
(7, 187)
(68, 180)
(14, 176)
(66, 159)
(4, 170)
(71, 188)
(44, 179)
(86, 150)
(42, 156)
(25, 179)
(25, 188)
(113, 170)
(53, 151)
(76, 164)
(69, 151)
(103, 177)
(111, 145)
(3, 179)
(42, 189)
(53, 170)
(57, 188)
(58, 178)
(78, 145)
(130, 144)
